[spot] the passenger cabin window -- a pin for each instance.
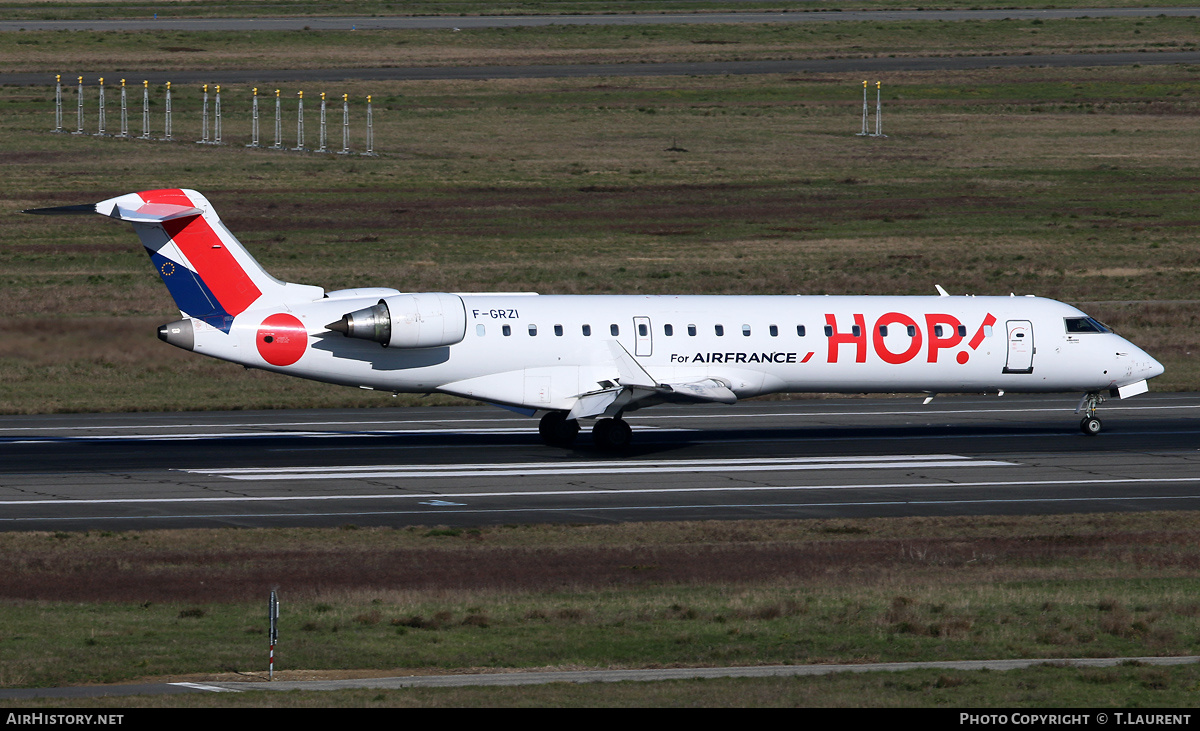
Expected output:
(746, 330)
(587, 331)
(1085, 325)
(800, 331)
(614, 330)
(558, 330)
(856, 331)
(692, 330)
(962, 331)
(507, 330)
(774, 331)
(643, 330)
(668, 330)
(720, 330)
(480, 330)
(883, 331)
(532, 331)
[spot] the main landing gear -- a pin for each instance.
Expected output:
(608, 434)
(557, 430)
(611, 434)
(1090, 425)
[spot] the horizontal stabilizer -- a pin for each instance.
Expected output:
(134, 211)
(154, 213)
(63, 210)
(136, 208)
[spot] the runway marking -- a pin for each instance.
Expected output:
(647, 491)
(209, 688)
(364, 472)
(264, 434)
(584, 510)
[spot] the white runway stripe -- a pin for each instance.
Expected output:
(361, 472)
(611, 493)
(209, 688)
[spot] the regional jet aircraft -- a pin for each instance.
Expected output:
(597, 358)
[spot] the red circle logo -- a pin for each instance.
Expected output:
(281, 339)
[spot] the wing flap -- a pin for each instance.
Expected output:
(710, 390)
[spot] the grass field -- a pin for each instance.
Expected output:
(1069, 183)
(116, 607)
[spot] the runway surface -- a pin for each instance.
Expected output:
(476, 466)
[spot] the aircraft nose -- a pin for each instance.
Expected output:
(1154, 368)
(1144, 364)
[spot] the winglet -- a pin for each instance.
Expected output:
(941, 292)
(631, 372)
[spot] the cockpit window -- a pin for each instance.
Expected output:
(1085, 325)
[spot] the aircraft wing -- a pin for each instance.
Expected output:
(636, 385)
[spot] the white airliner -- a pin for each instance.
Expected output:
(596, 357)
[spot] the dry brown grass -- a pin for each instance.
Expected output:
(310, 565)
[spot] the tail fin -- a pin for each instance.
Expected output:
(209, 273)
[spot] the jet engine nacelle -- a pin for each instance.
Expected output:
(422, 320)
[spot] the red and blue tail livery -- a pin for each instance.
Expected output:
(597, 357)
(209, 274)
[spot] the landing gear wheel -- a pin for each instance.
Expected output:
(611, 434)
(557, 430)
(1090, 426)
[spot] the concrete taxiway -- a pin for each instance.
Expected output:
(527, 677)
(470, 22)
(869, 65)
(478, 465)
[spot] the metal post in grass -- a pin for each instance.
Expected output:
(58, 103)
(278, 125)
(345, 125)
(79, 105)
(145, 109)
(254, 121)
(204, 120)
(322, 147)
(864, 119)
(299, 122)
(100, 122)
(878, 112)
(124, 112)
(370, 131)
(217, 129)
(167, 126)
(273, 618)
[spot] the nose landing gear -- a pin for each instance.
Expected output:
(1090, 425)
